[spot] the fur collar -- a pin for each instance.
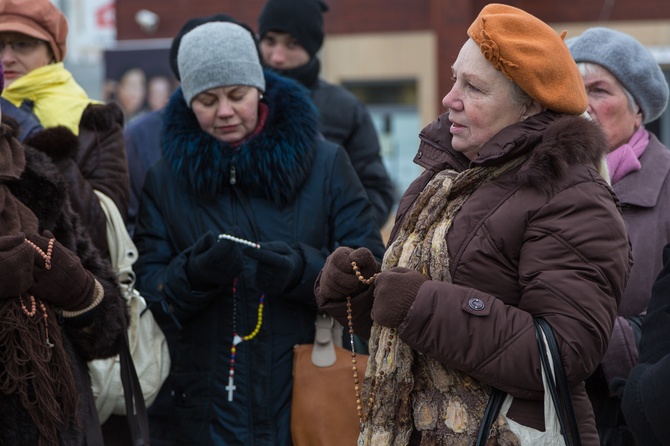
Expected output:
(273, 163)
(60, 143)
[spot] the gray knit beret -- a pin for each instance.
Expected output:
(218, 54)
(631, 63)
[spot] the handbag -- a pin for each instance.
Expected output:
(560, 422)
(323, 407)
(136, 375)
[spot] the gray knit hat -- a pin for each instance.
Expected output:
(629, 61)
(218, 54)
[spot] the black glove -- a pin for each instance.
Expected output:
(66, 284)
(280, 266)
(395, 292)
(338, 279)
(16, 265)
(213, 263)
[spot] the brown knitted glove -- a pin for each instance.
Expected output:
(16, 265)
(67, 284)
(395, 292)
(337, 279)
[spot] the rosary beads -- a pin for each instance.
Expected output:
(239, 240)
(364, 416)
(45, 255)
(237, 339)
(33, 302)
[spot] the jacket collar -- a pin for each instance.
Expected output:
(552, 141)
(643, 187)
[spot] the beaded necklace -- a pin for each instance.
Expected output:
(365, 416)
(237, 339)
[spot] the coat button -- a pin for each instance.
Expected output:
(476, 304)
(419, 155)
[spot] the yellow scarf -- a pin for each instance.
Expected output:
(58, 99)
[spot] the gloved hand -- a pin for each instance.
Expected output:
(67, 284)
(16, 265)
(395, 292)
(280, 266)
(338, 279)
(213, 263)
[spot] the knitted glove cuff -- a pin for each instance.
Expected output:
(98, 294)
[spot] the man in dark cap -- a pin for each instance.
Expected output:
(291, 34)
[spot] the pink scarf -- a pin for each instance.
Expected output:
(624, 159)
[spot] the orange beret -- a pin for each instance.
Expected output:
(531, 54)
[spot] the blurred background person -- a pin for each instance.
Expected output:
(131, 93)
(627, 89)
(291, 34)
(159, 89)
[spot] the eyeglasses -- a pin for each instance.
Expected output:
(20, 46)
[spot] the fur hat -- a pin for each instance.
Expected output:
(36, 18)
(531, 54)
(218, 54)
(192, 23)
(630, 62)
(303, 19)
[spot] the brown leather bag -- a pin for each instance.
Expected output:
(323, 408)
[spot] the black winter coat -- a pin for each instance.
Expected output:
(283, 184)
(344, 120)
(646, 397)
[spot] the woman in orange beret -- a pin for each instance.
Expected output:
(512, 219)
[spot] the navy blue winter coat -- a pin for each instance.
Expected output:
(284, 183)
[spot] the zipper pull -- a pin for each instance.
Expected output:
(233, 177)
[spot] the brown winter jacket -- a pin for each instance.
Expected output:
(546, 239)
(94, 160)
(96, 334)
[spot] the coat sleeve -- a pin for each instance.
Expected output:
(98, 334)
(364, 150)
(647, 393)
(572, 268)
(345, 120)
(160, 269)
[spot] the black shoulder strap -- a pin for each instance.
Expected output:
(136, 410)
(560, 390)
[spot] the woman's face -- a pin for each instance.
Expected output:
(229, 114)
(21, 54)
(480, 103)
(609, 107)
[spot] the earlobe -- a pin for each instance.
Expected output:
(532, 109)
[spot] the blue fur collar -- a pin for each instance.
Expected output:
(273, 163)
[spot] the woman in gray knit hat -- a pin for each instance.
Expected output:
(627, 89)
(235, 222)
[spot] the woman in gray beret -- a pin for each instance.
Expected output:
(626, 89)
(234, 224)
